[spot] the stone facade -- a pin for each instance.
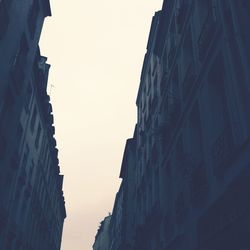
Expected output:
(191, 143)
(32, 209)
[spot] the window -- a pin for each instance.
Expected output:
(19, 131)
(32, 19)
(3, 221)
(195, 133)
(31, 169)
(180, 207)
(8, 104)
(8, 100)
(207, 32)
(10, 240)
(4, 19)
(2, 147)
(25, 157)
(219, 132)
(245, 4)
(222, 152)
(187, 50)
(15, 160)
(244, 21)
(203, 8)
(21, 54)
(33, 119)
(38, 135)
(229, 22)
(19, 64)
(28, 97)
(181, 14)
(217, 93)
(199, 184)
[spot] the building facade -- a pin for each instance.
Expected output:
(191, 168)
(32, 209)
(102, 239)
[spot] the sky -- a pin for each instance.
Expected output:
(96, 51)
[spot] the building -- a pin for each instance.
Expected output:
(117, 218)
(118, 228)
(102, 239)
(32, 209)
(129, 202)
(191, 168)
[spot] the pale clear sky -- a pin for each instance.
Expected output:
(96, 50)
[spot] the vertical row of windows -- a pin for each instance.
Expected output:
(32, 19)
(203, 9)
(25, 157)
(4, 19)
(31, 169)
(3, 145)
(216, 91)
(187, 50)
(19, 132)
(17, 74)
(33, 119)
(8, 104)
(244, 6)
(188, 64)
(18, 66)
(8, 101)
(181, 15)
(38, 128)
(207, 31)
(15, 161)
(195, 134)
(28, 97)
(245, 18)
(219, 127)
(38, 135)
(228, 20)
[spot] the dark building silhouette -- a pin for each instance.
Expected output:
(122, 225)
(102, 239)
(32, 207)
(188, 173)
